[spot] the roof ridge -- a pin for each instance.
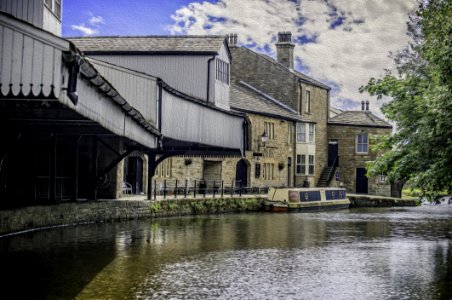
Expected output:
(292, 71)
(268, 97)
(145, 36)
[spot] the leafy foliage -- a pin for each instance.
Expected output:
(421, 148)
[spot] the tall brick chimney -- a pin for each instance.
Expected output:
(284, 49)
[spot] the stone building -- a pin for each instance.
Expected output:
(350, 137)
(293, 110)
(307, 96)
(267, 162)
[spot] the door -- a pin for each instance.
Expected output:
(361, 181)
(333, 151)
(241, 173)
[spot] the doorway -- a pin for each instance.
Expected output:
(333, 151)
(241, 173)
(361, 181)
(133, 173)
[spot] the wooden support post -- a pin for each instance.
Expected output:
(94, 179)
(53, 168)
(76, 153)
(152, 165)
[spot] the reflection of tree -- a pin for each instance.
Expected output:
(443, 267)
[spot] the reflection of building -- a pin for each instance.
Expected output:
(350, 136)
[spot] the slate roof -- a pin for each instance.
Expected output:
(193, 43)
(246, 98)
(300, 75)
(359, 118)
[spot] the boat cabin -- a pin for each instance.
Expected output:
(293, 199)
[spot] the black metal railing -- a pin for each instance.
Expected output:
(332, 169)
(168, 188)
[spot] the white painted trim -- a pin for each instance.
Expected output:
(34, 32)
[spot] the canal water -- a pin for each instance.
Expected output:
(378, 253)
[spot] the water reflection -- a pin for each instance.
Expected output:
(403, 253)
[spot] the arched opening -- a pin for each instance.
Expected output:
(241, 173)
(133, 173)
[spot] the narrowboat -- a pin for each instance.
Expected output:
(301, 199)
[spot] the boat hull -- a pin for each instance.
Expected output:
(305, 199)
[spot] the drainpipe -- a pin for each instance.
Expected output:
(208, 78)
(74, 69)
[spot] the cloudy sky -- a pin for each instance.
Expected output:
(339, 42)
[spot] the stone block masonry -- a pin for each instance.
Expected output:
(66, 214)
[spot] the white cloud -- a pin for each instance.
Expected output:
(86, 31)
(96, 20)
(347, 54)
(95, 23)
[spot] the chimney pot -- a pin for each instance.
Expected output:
(284, 49)
(367, 105)
(362, 105)
(232, 39)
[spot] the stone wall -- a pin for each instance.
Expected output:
(275, 152)
(42, 217)
(264, 74)
(349, 160)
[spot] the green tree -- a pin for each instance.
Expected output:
(420, 150)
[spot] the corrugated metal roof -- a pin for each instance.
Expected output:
(194, 43)
(244, 97)
(359, 118)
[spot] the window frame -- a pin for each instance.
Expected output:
(301, 134)
(269, 128)
(360, 146)
(308, 101)
(300, 164)
(311, 134)
(311, 164)
(222, 70)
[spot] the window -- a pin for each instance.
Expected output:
(257, 170)
(222, 71)
(362, 143)
(311, 133)
(164, 168)
(268, 171)
(311, 164)
(308, 101)
(301, 132)
(301, 165)
(269, 128)
(54, 6)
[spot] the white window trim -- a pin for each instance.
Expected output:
(300, 164)
(356, 143)
(306, 135)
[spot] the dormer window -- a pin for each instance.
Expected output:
(222, 73)
(54, 6)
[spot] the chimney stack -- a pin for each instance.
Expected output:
(362, 105)
(232, 39)
(367, 105)
(284, 49)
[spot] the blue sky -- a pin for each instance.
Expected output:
(339, 42)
